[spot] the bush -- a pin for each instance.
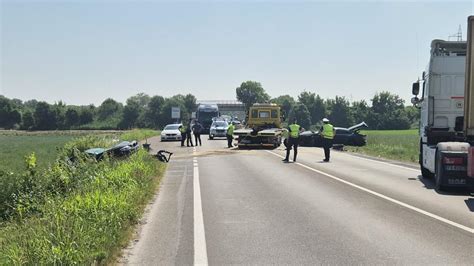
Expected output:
(76, 212)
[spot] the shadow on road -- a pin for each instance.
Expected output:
(470, 204)
(429, 183)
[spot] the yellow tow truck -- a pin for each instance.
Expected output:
(263, 127)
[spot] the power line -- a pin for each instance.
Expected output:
(458, 35)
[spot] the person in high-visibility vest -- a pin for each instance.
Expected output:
(327, 133)
(230, 135)
(293, 140)
(182, 129)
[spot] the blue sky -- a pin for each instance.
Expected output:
(83, 52)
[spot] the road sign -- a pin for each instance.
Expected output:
(175, 113)
(193, 115)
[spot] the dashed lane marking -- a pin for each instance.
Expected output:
(200, 248)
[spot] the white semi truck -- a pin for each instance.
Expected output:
(447, 113)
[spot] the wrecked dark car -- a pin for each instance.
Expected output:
(122, 149)
(344, 136)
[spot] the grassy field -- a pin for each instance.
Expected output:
(15, 145)
(77, 211)
(15, 148)
(402, 145)
(139, 134)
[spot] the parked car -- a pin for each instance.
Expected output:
(218, 129)
(344, 136)
(171, 132)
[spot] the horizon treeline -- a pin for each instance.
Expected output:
(385, 111)
(139, 111)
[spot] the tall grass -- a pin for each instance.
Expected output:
(400, 145)
(139, 134)
(78, 211)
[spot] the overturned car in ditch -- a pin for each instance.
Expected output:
(124, 148)
(344, 136)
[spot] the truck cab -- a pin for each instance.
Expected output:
(264, 115)
(442, 97)
(443, 150)
(205, 114)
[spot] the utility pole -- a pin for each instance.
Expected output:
(458, 35)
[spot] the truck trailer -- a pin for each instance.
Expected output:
(447, 118)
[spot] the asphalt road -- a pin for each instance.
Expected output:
(229, 206)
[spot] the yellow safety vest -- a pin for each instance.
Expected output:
(230, 130)
(285, 134)
(182, 129)
(328, 131)
(294, 130)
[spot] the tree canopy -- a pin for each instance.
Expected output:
(251, 92)
(286, 102)
(301, 114)
(315, 104)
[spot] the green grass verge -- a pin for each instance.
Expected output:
(402, 145)
(139, 134)
(15, 145)
(74, 212)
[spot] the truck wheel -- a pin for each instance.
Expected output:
(211, 138)
(424, 171)
(276, 145)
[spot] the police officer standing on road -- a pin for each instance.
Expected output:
(189, 138)
(182, 129)
(230, 134)
(285, 134)
(293, 141)
(327, 132)
(197, 129)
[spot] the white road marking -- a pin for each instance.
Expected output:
(391, 164)
(200, 248)
(434, 216)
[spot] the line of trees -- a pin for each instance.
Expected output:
(387, 110)
(140, 110)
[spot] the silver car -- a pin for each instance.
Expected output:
(218, 129)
